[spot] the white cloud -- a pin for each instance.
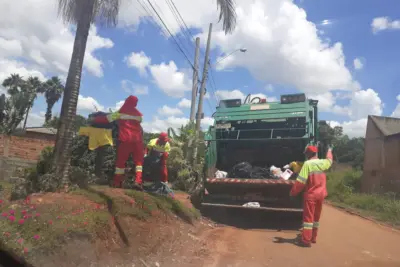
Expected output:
(185, 103)
(364, 103)
(356, 128)
(88, 104)
(396, 111)
(284, 48)
(384, 23)
(134, 88)
(168, 111)
(139, 61)
(35, 119)
(327, 103)
(358, 65)
(172, 82)
(41, 40)
(157, 125)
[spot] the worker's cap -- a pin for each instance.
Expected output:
(163, 137)
(311, 149)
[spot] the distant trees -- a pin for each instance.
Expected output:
(347, 150)
(21, 95)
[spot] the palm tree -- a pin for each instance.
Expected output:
(32, 87)
(53, 90)
(13, 84)
(83, 14)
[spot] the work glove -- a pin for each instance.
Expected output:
(330, 147)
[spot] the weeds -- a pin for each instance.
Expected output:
(344, 190)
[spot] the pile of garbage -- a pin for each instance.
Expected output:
(245, 170)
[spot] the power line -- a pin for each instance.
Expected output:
(179, 47)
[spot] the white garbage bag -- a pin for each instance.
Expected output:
(252, 205)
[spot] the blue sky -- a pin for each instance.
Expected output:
(343, 53)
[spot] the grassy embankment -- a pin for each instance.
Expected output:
(344, 191)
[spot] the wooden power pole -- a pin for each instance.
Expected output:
(195, 80)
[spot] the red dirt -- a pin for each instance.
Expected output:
(344, 240)
(245, 238)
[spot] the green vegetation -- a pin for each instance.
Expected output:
(344, 191)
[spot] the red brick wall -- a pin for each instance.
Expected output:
(25, 148)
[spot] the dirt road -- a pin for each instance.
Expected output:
(344, 240)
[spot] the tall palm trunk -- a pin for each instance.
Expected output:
(26, 116)
(64, 137)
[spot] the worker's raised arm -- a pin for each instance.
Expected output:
(104, 119)
(326, 163)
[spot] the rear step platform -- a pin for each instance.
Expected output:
(255, 208)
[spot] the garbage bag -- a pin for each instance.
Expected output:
(241, 170)
(260, 173)
(151, 168)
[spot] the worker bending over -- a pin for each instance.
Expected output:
(312, 180)
(130, 137)
(160, 148)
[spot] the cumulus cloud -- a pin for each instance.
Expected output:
(41, 40)
(88, 103)
(35, 119)
(134, 88)
(384, 23)
(168, 111)
(157, 124)
(356, 128)
(358, 65)
(364, 103)
(170, 80)
(139, 61)
(185, 103)
(396, 111)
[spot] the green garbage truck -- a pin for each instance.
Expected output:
(263, 134)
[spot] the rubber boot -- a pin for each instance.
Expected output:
(118, 180)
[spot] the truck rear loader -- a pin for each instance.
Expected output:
(263, 134)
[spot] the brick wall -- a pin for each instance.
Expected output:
(18, 152)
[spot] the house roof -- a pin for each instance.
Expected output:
(387, 125)
(42, 130)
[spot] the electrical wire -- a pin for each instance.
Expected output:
(172, 36)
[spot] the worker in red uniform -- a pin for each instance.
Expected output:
(160, 147)
(312, 180)
(130, 137)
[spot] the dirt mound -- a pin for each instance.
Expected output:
(102, 227)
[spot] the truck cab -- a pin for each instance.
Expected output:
(263, 134)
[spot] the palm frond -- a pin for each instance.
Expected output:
(104, 12)
(227, 14)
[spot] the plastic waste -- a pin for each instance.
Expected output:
(275, 171)
(252, 205)
(286, 174)
(221, 174)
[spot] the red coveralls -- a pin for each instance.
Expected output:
(313, 180)
(162, 147)
(130, 138)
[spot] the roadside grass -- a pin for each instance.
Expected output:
(43, 224)
(344, 191)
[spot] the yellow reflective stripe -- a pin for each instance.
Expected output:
(316, 225)
(301, 179)
(113, 116)
(139, 168)
(119, 171)
(307, 225)
(130, 117)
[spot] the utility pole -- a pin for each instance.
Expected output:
(195, 80)
(203, 83)
(199, 114)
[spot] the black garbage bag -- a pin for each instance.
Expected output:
(152, 168)
(260, 173)
(241, 170)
